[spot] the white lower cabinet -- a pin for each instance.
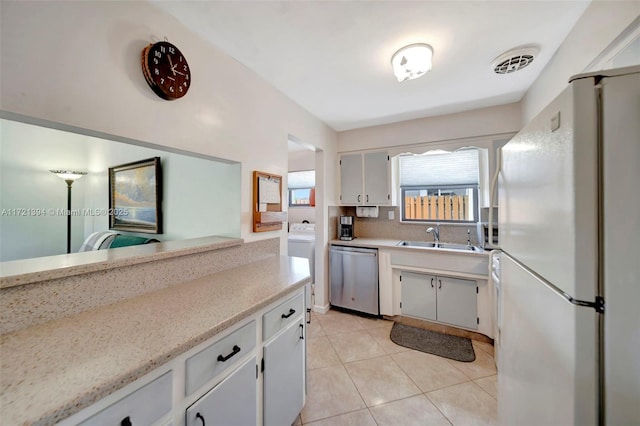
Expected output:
(231, 402)
(284, 376)
(437, 298)
(284, 362)
(219, 381)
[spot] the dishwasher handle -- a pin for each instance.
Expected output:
(355, 253)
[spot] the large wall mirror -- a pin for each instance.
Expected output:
(201, 195)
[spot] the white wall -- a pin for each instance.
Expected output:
(599, 26)
(302, 160)
(469, 124)
(78, 63)
(26, 183)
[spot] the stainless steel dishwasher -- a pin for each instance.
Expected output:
(354, 279)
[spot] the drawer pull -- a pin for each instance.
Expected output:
(431, 282)
(301, 332)
(126, 421)
(221, 358)
(199, 416)
(291, 312)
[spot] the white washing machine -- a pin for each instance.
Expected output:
(302, 243)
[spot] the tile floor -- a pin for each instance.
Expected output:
(357, 376)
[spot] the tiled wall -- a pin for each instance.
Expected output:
(27, 305)
(382, 227)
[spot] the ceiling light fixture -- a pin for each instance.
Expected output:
(412, 61)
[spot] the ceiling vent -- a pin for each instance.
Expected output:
(514, 60)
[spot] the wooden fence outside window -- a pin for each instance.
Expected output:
(437, 207)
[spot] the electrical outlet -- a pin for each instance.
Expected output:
(392, 215)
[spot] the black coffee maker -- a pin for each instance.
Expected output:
(345, 228)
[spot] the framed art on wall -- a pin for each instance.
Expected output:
(135, 197)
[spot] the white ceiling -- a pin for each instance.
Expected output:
(333, 57)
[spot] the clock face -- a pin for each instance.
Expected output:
(166, 70)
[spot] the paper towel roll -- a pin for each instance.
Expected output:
(367, 211)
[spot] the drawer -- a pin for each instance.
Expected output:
(282, 315)
(143, 407)
(214, 359)
(230, 402)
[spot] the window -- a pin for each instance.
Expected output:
(440, 186)
(301, 187)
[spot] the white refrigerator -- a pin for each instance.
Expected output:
(569, 220)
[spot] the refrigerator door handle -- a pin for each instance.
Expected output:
(598, 304)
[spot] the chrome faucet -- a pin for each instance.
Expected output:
(435, 231)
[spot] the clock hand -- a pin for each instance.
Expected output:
(171, 78)
(173, 67)
(181, 73)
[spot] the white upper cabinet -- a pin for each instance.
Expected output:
(365, 179)
(351, 179)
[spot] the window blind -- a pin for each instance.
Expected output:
(450, 168)
(304, 179)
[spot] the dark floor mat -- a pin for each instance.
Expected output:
(452, 347)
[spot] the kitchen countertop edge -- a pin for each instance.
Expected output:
(390, 243)
(21, 390)
(26, 271)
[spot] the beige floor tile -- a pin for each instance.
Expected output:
(314, 329)
(489, 384)
(429, 372)
(356, 418)
(483, 366)
(380, 380)
(414, 411)
(330, 392)
(381, 334)
(487, 347)
(466, 404)
(320, 353)
(355, 346)
(368, 322)
(337, 322)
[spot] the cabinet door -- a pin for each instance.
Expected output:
(233, 402)
(458, 302)
(351, 179)
(376, 179)
(418, 295)
(284, 376)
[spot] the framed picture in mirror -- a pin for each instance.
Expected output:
(135, 196)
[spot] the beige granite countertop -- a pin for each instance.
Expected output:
(53, 370)
(25, 271)
(393, 243)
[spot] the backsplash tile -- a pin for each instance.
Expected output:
(382, 227)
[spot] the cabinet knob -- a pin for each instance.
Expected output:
(199, 416)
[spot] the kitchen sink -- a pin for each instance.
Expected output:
(417, 244)
(445, 246)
